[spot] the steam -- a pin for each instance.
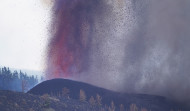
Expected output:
(124, 45)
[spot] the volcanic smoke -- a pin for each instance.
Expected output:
(124, 45)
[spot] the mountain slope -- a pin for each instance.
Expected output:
(155, 103)
(17, 101)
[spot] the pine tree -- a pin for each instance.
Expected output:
(98, 100)
(15, 75)
(144, 109)
(14, 81)
(122, 107)
(21, 75)
(36, 79)
(24, 86)
(82, 95)
(133, 107)
(65, 92)
(92, 101)
(0, 72)
(112, 107)
(42, 78)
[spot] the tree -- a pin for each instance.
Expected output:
(5, 70)
(42, 78)
(15, 75)
(82, 95)
(92, 101)
(24, 86)
(15, 81)
(98, 100)
(8, 71)
(112, 107)
(144, 109)
(122, 107)
(65, 92)
(21, 74)
(133, 107)
(36, 79)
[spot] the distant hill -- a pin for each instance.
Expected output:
(151, 102)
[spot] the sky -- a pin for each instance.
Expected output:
(23, 33)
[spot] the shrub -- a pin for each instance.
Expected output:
(45, 96)
(46, 104)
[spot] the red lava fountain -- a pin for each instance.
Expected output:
(70, 35)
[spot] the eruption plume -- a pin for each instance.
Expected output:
(126, 45)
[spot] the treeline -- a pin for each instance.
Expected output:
(16, 81)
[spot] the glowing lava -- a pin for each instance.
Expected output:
(71, 30)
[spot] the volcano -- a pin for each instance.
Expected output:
(152, 102)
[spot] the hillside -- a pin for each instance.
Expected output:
(151, 102)
(16, 101)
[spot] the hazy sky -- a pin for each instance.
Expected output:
(23, 33)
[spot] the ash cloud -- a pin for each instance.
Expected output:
(124, 45)
(157, 58)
